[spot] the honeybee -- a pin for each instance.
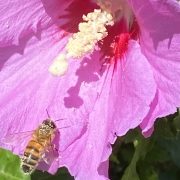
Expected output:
(36, 148)
(39, 147)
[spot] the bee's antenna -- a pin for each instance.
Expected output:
(64, 127)
(56, 119)
(59, 119)
(48, 114)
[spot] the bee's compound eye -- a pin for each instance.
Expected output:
(49, 123)
(26, 169)
(46, 122)
(52, 125)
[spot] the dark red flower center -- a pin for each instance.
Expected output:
(120, 44)
(115, 45)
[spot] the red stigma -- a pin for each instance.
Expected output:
(121, 41)
(120, 45)
(115, 45)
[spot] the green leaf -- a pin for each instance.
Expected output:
(131, 136)
(163, 129)
(177, 122)
(157, 154)
(172, 146)
(114, 158)
(130, 172)
(146, 171)
(140, 152)
(10, 167)
(168, 175)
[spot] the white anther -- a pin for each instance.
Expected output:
(92, 30)
(59, 66)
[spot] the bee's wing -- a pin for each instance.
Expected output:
(49, 157)
(50, 154)
(16, 138)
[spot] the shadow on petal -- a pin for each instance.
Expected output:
(88, 72)
(69, 14)
(7, 51)
(160, 19)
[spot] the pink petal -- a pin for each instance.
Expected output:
(25, 18)
(133, 89)
(16, 18)
(88, 151)
(28, 89)
(123, 101)
(82, 98)
(160, 42)
(95, 105)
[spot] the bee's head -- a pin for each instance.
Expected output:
(49, 124)
(47, 128)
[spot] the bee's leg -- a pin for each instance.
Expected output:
(53, 147)
(53, 151)
(44, 158)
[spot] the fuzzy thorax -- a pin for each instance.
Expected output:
(91, 30)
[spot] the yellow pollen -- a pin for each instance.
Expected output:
(59, 66)
(91, 30)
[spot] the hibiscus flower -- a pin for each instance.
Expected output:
(129, 79)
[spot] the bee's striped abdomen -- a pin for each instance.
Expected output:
(36, 148)
(32, 155)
